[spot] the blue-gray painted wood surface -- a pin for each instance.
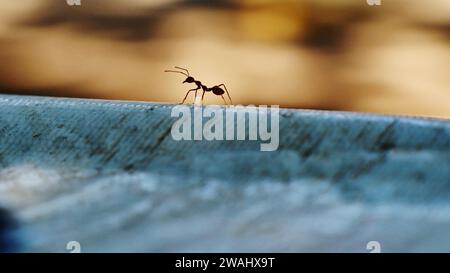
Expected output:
(109, 175)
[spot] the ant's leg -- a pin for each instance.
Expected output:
(187, 95)
(227, 92)
(224, 100)
(203, 95)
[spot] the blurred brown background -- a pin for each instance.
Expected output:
(323, 54)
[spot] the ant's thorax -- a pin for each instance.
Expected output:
(200, 85)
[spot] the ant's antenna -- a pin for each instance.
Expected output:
(186, 74)
(187, 71)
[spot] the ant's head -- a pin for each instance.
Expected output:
(185, 72)
(189, 80)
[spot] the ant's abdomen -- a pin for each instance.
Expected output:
(218, 91)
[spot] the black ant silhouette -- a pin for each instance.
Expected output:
(215, 89)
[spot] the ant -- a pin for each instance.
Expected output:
(215, 89)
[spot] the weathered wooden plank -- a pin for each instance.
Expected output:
(110, 176)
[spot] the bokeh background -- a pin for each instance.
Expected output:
(320, 54)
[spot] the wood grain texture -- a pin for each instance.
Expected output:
(109, 175)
